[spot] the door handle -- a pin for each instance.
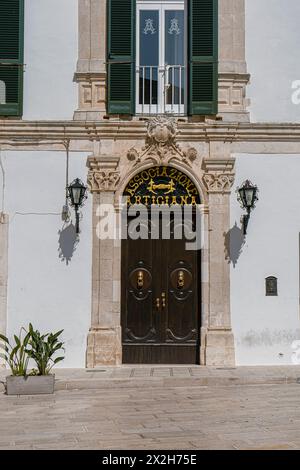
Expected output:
(158, 303)
(163, 300)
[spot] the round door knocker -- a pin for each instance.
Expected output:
(181, 279)
(140, 279)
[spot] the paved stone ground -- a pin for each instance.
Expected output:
(177, 416)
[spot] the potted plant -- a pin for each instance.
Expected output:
(40, 348)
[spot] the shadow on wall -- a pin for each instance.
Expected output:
(67, 242)
(234, 240)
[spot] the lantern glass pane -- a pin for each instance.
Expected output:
(242, 196)
(76, 195)
(249, 193)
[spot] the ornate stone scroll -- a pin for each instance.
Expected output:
(161, 146)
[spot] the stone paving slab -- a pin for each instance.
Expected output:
(169, 418)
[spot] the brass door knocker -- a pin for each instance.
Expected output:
(180, 280)
(140, 280)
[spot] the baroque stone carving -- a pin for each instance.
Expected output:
(218, 182)
(218, 175)
(161, 146)
(103, 174)
(103, 180)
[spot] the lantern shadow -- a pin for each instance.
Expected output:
(234, 240)
(67, 242)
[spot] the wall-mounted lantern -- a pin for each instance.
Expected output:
(76, 193)
(247, 196)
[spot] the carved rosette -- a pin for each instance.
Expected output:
(218, 176)
(161, 146)
(103, 174)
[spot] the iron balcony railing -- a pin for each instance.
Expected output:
(161, 90)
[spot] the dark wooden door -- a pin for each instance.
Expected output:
(160, 302)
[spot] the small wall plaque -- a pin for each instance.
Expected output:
(271, 286)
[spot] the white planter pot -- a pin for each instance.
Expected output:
(31, 385)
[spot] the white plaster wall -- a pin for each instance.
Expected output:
(42, 288)
(50, 48)
(265, 327)
(272, 55)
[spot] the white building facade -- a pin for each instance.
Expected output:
(201, 91)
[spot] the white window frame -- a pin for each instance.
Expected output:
(161, 107)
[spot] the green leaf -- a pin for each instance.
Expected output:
(58, 359)
(17, 340)
(4, 338)
(56, 335)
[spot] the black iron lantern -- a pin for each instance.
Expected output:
(76, 193)
(247, 197)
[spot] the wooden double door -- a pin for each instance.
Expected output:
(160, 302)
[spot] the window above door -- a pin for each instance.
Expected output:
(161, 54)
(162, 57)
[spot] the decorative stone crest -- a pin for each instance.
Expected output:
(103, 174)
(161, 146)
(218, 175)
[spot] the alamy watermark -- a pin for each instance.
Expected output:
(153, 222)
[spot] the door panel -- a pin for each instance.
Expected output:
(168, 332)
(139, 323)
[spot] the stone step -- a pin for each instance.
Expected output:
(208, 381)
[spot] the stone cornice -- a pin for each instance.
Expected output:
(22, 132)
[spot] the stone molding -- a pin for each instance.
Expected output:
(232, 97)
(19, 133)
(218, 176)
(103, 174)
(92, 96)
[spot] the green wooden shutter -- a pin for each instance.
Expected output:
(121, 56)
(203, 57)
(11, 57)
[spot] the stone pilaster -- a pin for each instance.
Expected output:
(3, 272)
(233, 76)
(104, 339)
(91, 66)
(218, 177)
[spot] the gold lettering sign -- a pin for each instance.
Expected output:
(162, 185)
